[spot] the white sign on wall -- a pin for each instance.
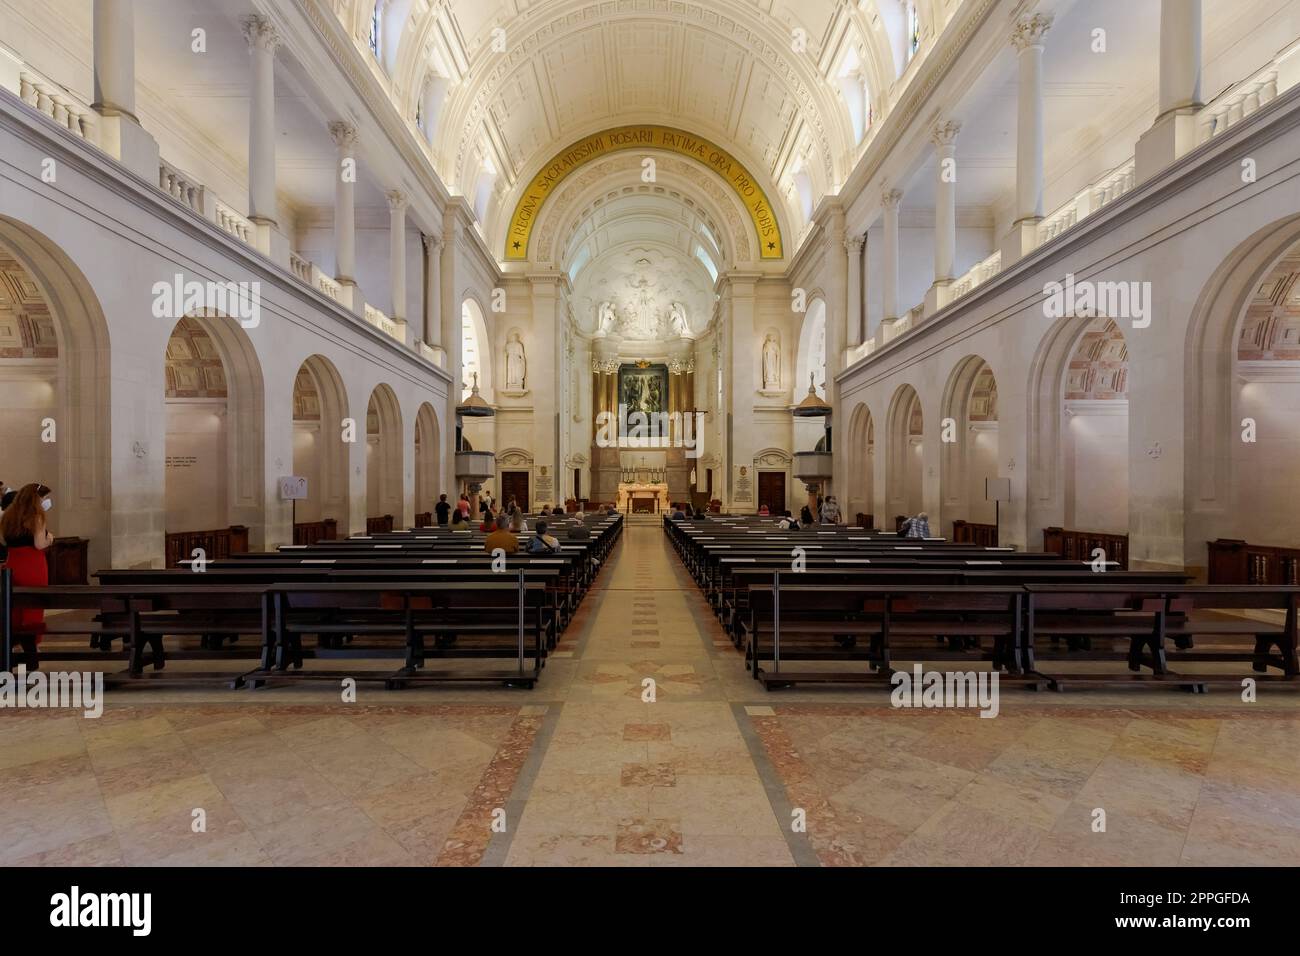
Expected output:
(293, 488)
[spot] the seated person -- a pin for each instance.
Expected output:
(459, 521)
(611, 510)
(543, 542)
(502, 537)
(557, 510)
(678, 513)
(763, 512)
(578, 531)
(918, 527)
(787, 522)
(700, 515)
(805, 517)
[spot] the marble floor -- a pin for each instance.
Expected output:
(647, 744)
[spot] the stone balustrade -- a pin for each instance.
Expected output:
(1239, 100)
(978, 274)
(1096, 195)
(301, 267)
(181, 187)
(52, 99)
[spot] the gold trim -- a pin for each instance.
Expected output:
(645, 137)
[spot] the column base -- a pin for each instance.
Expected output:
(126, 141)
(1171, 136)
(270, 241)
(350, 296)
(937, 296)
(1020, 241)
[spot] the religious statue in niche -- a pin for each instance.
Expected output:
(677, 319)
(605, 322)
(771, 363)
(516, 364)
(643, 320)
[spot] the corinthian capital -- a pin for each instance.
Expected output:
(260, 33)
(344, 134)
(396, 199)
(1029, 31)
(889, 198)
(945, 134)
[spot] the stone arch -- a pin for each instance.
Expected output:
(384, 468)
(1065, 422)
(904, 468)
(320, 404)
(428, 458)
(970, 401)
(80, 384)
(1222, 391)
(861, 452)
(214, 387)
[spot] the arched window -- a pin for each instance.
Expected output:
(375, 17)
(913, 31)
(471, 350)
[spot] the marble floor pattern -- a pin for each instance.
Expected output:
(647, 744)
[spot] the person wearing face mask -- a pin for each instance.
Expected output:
(26, 534)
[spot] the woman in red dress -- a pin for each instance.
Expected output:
(26, 535)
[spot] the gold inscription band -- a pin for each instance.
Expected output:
(644, 137)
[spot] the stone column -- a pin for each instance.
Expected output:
(1027, 38)
(853, 328)
(397, 252)
(1174, 131)
(114, 38)
(120, 133)
(345, 223)
(945, 215)
(889, 201)
(433, 290)
(263, 39)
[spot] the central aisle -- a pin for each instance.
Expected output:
(646, 764)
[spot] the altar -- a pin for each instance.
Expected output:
(642, 497)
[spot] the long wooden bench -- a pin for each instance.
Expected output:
(383, 618)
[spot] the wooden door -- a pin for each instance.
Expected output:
(771, 491)
(514, 484)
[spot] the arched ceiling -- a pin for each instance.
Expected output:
(518, 80)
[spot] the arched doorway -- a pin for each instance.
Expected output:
(428, 460)
(55, 407)
(319, 454)
(861, 451)
(383, 458)
(969, 443)
(904, 463)
(214, 481)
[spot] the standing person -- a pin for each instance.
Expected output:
(443, 510)
(26, 534)
(805, 517)
(918, 527)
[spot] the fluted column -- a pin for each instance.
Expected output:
(114, 38)
(853, 246)
(1027, 38)
(397, 251)
(263, 39)
(433, 290)
(345, 222)
(889, 201)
